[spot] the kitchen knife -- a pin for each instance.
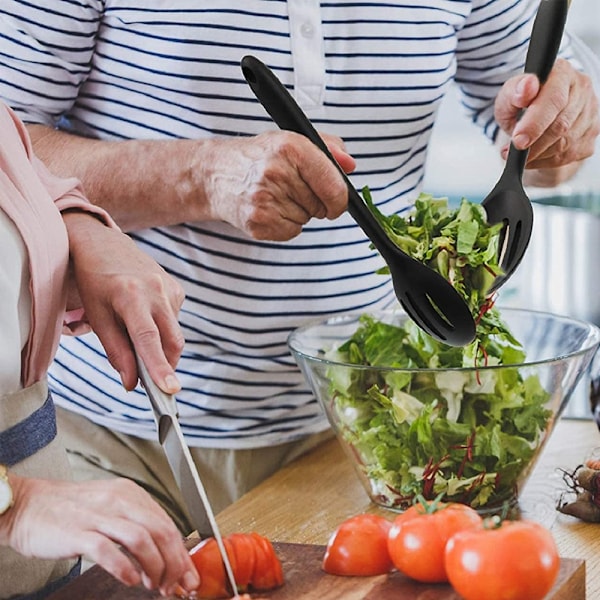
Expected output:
(170, 436)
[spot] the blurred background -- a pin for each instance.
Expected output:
(559, 272)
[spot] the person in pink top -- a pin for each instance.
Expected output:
(65, 268)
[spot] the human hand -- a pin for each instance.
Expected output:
(128, 300)
(270, 185)
(60, 519)
(560, 123)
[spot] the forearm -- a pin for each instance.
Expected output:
(141, 183)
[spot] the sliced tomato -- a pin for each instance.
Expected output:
(207, 560)
(358, 547)
(268, 572)
(253, 560)
(241, 550)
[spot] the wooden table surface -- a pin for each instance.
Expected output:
(305, 501)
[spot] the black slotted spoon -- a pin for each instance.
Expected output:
(425, 295)
(507, 202)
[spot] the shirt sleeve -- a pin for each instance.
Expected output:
(47, 48)
(67, 194)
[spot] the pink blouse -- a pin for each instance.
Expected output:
(30, 197)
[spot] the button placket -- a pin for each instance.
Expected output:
(308, 55)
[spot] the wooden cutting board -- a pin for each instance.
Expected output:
(306, 580)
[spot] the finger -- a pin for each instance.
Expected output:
(148, 345)
(155, 334)
(295, 201)
(172, 339)
(104, 552)
(321, 176)
(140, 541)
(557, 104)
(161, 356)
(293, 190)
(572, 141)
(179, 568)
(281, 204)
(551, 126)
(116, 343)
(514, 96)
(153, 540)
(338, 150)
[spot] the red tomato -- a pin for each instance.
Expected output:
(418, 537)
(359, 547)
(517, 560)
(253, 561)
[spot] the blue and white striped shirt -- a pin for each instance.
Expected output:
(372, 72)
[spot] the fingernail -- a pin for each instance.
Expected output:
(191, 581)
(521, 141)
(172, 384)
(146, 581)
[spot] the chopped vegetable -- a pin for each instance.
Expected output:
(255, 566)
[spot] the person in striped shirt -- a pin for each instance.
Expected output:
(145, 102)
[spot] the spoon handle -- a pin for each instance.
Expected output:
(544, 44)
(284, 110)
(546, 37)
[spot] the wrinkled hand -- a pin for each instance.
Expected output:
(270, 185)
(128, 299)
(561, 122)
(59, 519)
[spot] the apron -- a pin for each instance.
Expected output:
(29, 446)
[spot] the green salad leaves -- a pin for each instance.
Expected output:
(457, 243)
(435, 419)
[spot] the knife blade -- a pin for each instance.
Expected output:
(170, 437)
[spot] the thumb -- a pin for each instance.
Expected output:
(515, 96)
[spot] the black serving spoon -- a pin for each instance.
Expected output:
(507, 202)
(425, 295)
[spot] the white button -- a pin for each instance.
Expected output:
(307, 30)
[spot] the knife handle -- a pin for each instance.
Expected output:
(163, 404)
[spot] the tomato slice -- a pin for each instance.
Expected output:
(358, 547)
(268, 572)
(207, 560)
(242, 552)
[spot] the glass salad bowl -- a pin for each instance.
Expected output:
(414, 426)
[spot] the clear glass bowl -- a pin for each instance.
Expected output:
(471, 435)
